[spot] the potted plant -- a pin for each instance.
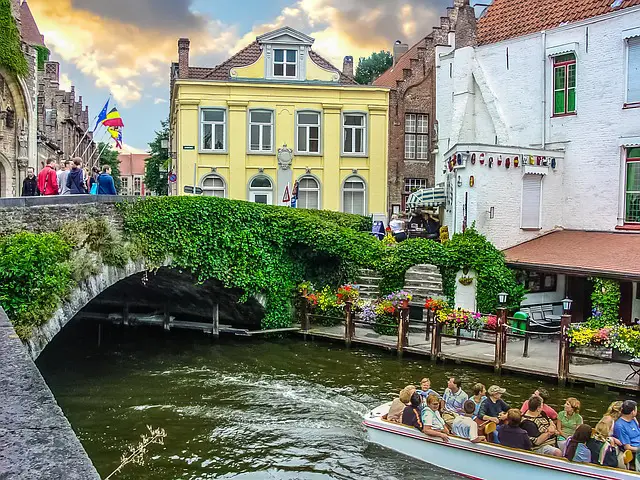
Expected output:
(435, 304)
(348, 293)
(305, 287)
(386, 321)
(400, 299)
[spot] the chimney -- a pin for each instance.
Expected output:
(183, 57)
(347, 66)
(399, 49)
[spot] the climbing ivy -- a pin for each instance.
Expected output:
(11, 56)
(605, 300)
(43, 55)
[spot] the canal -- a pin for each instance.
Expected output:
(247, 409)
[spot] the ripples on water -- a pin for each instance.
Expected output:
(243, 409)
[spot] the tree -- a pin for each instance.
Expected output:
(109, 156)
(155, 171)
(373, 66)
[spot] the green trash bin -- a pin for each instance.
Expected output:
(519, 322)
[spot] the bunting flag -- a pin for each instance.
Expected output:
(116, 134)
(103, 114)
(113, 119)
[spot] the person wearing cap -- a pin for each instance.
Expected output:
(494, 408)
(626, 429)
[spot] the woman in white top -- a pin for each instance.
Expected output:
(434, 425)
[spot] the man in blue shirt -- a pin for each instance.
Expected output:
(626, 429)
(105, 182)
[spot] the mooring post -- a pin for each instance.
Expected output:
(349, 331)
(305, 323)
(563, 354)
(215, 328)
(436, 341)
(403, 329)
(427, 313)
(501, 326)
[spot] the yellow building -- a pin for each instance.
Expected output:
(277, 115)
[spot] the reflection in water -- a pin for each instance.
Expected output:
(268, 409)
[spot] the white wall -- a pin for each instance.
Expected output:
(548, 297)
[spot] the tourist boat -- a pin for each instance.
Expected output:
(480, 461)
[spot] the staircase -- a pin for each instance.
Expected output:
(422, 281)
(369, 280)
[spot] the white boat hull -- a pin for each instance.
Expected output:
(482, 461)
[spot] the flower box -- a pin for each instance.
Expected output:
(600, 351)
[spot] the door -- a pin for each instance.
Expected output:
(265, 198)
(626, 302)
(579, 290)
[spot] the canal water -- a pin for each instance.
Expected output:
(247, 409)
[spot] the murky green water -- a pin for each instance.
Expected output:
(257, 409)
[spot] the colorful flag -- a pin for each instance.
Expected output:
(116, 134)
(103, 114)
(113, 119)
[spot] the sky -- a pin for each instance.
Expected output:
(124, 48)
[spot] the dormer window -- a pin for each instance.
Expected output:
(285, 63)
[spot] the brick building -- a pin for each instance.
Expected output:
(412, 110)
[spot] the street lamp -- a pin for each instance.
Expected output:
(566, 305)
(502, 298)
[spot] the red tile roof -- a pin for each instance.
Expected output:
(28, 27)
(390, 77)
(132, 163)
(581, 252)
(513, 18)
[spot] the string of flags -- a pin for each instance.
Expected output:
(112, 120)
(457, 160)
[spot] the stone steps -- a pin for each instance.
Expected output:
(422, 281)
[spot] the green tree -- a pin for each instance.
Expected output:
(373, 66)
(109, 156)
(11, 56)
(155, 171)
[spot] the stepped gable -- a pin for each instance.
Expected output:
(391, 76)
(506, 19)
(28, 27)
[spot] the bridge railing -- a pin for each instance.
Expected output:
(64, 200)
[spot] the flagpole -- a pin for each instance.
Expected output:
(85, 150)
(94, 152)
(103, 148)
(87, 131)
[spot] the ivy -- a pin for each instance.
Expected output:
(11, 56)
(605, 300)
(43, 55)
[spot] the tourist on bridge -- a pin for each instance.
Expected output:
(75, 178)
(30, 184)
(541, 429)
(626, 429)
(47, 179)
(105, 182)
(63, 174)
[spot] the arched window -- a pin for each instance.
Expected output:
(308, 193)
(214, 186)
(353, 196)
(261, 190)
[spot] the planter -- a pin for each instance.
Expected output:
(618, 355)
(468, 333)
(604, 352)
(405, 304)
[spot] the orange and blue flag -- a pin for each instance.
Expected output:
(113, 119)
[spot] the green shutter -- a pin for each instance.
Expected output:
(633, 153)
(571, 100)
(558, 102)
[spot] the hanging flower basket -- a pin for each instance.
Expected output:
(466, 281)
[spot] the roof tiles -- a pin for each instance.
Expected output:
(392, 75)
(28, 27)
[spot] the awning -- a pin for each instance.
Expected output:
(580, 253)
(427, 197)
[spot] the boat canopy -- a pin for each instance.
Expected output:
(427, 197)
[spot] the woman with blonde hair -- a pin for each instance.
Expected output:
(398, 404)
(615, 410)
(604, 447)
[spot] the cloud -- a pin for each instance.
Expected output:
(156, 101)
(130, 149)
(65, 82)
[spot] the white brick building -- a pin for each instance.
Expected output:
(559, 90)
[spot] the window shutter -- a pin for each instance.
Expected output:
(633, 73)
(531, 198)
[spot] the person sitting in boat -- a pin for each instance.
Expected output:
(434, 425)
(614, 410)
(568, 420)
(479, 396)
(605, 448)
(425, 390)
(411, 413)
(626, 429)
(542, 393)
(398, 405)
(575, 448)
(494, 408)
(540, 428)
(464, 426)
(453, 400)
(512, 435)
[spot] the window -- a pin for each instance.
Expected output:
(354, 137)
(632, 187)
(50, 117)
(353, 196)
(537, 282)
(416, 136)
(137, 186)
(124, 181)
(285, 63)
(214, 186)
(261, 190)
(413, 184)
(260, 131)
(531, 199)
(633, 70)
(564, 84)
(308, 139)
(213, 129)
(308, 193)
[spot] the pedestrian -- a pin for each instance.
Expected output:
(105, 182)
(75, 179)
(62, 178)
(30, 184)
(47, 179)
(93, 181)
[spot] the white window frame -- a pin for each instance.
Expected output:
(364, 190)
(213, 124)
(522, 203)
(124, 183)
(354, 128)
(253, 191)
(308, 127)
(412, 134)
(629, 42)
(137, 178)
(214, 189)
(318, 190)
(284, 62)
(261, 150)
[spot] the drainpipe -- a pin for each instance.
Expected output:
(543, 141)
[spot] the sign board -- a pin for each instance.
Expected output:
(173, 178)
(191, 189)
(188, 147)
(286, 198)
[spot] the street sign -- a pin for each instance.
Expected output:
(173, 178)
(191, 189)
(286, 198)
(188, 147)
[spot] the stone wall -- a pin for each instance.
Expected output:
(36, 440)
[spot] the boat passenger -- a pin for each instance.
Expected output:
(411, 413)
(568, 419)
(541, 430)
(434, 425)
(453, 400)
(542, 393)
(398, 404)
(626, 429)
(479, 396)
(425, 390)
(576, 448)
(614, 410)
(494, 408)
(512, 435)
(464, 426)
(604, 447)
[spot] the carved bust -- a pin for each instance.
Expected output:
(285, 157)
(23, 144)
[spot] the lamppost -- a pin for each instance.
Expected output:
(563, 356)
(500, 356)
